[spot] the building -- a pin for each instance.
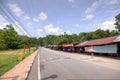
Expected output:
(110, 45)
(68, 47)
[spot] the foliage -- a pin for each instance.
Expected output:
(20, 56)
(64, 39)
(117, 23)
(9, 39)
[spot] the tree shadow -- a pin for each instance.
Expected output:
(52, 77)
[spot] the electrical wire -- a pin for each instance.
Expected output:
(11, 18)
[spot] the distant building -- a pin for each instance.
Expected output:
(68, 47)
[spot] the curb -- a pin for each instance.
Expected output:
(28, 69)
(27, 72)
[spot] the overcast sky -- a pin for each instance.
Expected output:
(39, 18)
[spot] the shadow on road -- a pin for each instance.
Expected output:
(42, 67)
(52, 77)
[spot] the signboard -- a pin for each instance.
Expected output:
(26, 47)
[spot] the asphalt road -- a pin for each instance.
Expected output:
(56, 67)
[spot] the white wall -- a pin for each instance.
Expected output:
(105, 49)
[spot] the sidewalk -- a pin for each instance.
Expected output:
(18, 71)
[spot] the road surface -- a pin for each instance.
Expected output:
(49, 65)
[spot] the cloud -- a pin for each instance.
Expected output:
(3, 22)
(101, 3)
(39, 31)
(111, 2)
(15, 9)
(51, 29)
(90, 16)
(36, 19)
(71, 1)
(26, 17)
(89, 10)
(42, 17)
(16, 26)
(67, 32)
(77, 25)
(92, 7)
(108, 25)
(29, 24)
(110, 7)
(94, 4)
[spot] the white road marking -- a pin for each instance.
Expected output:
(39, 77)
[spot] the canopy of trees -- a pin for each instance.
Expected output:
(117, 23)
(74, 38)
(9, 39)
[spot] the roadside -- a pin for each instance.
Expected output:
(18, 71)
(58, 65)
(10, 58)
(98, 60)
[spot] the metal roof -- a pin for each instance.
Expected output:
(68, 45)
(102, 41)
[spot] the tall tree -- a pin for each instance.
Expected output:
(11, 37)
(117, 23)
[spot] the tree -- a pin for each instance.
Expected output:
(117, 23)
(33, 41)
(11, 37)
(114, 32)
(3, 44)
(82, 36)
(73, 38)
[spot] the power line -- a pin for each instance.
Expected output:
(11, 18)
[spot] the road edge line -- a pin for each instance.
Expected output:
(39, 76)
(28, 69)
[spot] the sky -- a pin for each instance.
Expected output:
(38, 18)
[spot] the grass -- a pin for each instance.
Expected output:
(11, 51)
(9, 58)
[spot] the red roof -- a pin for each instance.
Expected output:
(101, 41)
(68, 45)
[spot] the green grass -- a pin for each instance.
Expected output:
(8, 59)
(7, 62)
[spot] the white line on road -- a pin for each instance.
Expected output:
(39, 77)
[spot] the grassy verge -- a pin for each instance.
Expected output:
(8, 59)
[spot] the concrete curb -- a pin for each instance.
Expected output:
(28, 69)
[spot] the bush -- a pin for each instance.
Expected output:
(20, 56)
